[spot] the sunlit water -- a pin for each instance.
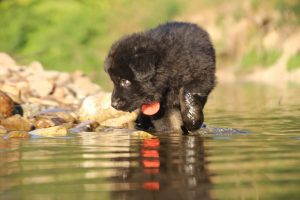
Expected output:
(262, 162)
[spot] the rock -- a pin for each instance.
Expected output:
(30, 110)
(142, 134)
(6, 60)
(12, 91)
(36, 66)
(6, 105)
(66, 115)
(45, 102)
(16, 123)
(17, 134)
(39, 85)
(50, 132)
(85, 126)
(3, 130)
(97, 106)
(48, 121)
(123, 121)
(4, 72)
(63, 79)
(82, 86)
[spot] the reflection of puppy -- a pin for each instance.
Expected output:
(163, 71)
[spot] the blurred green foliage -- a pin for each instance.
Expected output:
(264, 58)
(294, 62)
(75, 34)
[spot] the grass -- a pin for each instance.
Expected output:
(264, 58)
(294, 62)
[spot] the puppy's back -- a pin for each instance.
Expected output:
(190, 56)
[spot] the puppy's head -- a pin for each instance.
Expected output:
(131, 65)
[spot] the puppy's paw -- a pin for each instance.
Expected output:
(191, 108)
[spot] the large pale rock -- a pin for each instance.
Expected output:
(6, 105)
(98, 108)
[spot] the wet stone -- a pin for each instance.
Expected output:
(17, 134)
(16, 123)
(48, 121)
(85, 126)
(123, 121)
(3, 130)
(54, 131)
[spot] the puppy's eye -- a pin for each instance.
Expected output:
(125, 83)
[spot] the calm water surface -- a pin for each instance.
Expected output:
(261, 164)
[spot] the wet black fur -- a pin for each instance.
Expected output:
(173, 63)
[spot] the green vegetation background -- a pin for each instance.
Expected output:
(76, 34)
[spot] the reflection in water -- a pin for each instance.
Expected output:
(172, 167)
(110, 165)
(117, 165)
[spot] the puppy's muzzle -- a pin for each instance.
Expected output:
(117, 103)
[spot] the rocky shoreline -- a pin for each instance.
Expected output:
(36, 102)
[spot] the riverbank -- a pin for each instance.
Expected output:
(37, 102)
(254, 41)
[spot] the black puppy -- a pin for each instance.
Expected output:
(163, 70)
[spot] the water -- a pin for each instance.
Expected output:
(261, 164)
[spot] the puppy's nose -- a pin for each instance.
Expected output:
(117, 103)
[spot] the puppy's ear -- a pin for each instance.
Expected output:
(144, 65)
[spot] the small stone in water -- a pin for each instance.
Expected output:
(17, 134)
(88, 125)
(142, 134)
(121, 121)
(3, 130)
(50, 132)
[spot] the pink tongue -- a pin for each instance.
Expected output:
(151, 108)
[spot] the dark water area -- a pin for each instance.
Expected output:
(262, 162)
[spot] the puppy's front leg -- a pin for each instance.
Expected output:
(191, 108)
